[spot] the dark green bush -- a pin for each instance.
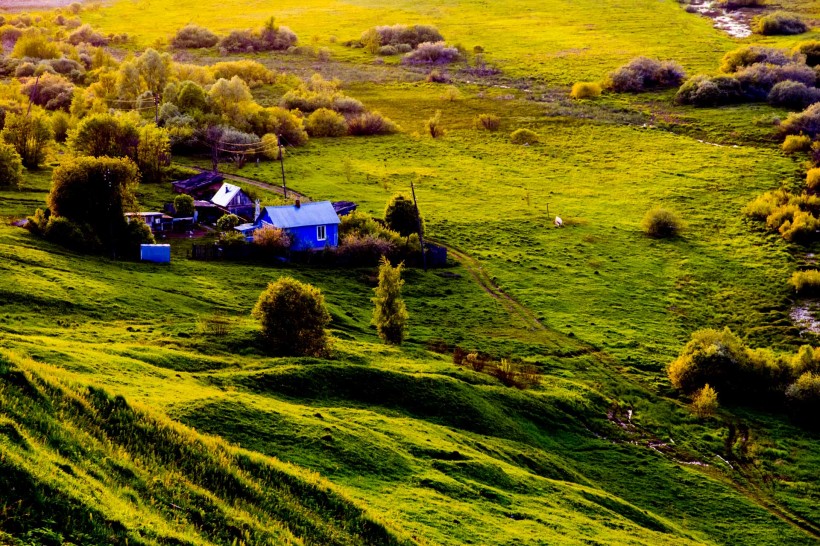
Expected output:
(293, 318)
(811, 50)
(642, 74)
(64, 232)
(803, 399)
(793, 95)
(806, 122)
(661, 223)
(779, 23)
(193, 37)
(703, 90)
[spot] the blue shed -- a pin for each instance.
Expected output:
(313, 226)
(159, 254)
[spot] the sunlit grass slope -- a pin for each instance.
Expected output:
(557, 40)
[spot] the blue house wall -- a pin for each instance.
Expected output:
(306, 237)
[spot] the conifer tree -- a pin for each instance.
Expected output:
(390, 314)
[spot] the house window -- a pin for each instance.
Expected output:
(321, 233)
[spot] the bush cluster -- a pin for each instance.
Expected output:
(53, 92)
(271, 37)
(524, 136)
(363, 242)
(489, 122)
(432, 53)
(753, 376)
(810, 50)
(642, 74)
(194, 37)
(371, 123)
(326, 123)
(779, 23)
(793, 95)
(403, 35)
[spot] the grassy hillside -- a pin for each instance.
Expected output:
(124, 420)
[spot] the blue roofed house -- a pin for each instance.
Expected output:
(312, 226)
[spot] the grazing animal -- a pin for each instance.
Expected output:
(559, 222)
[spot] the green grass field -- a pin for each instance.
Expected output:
(122, 421)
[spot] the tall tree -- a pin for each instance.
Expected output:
(390, 314)
(153, 153)
(155, 69)
(11, 166)
(105, 135)
(30, 135)
(401, 216)
(95, 192)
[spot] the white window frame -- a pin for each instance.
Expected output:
(321, 233)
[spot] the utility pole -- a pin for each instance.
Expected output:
(156, 109)
(421, 233)
(282, 164)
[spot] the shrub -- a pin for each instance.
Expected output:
(764, 205)
(101, 135)
(781, 215)
(524, 136)
(490, 122)
(251, 72)
(811, 50)
(184, 206)
(193, 37)
(35, 46)
(719, 359)
(64, 232)
(24, 70)
(401, 216)
(270, 38)
(390, 314)
(779, 23)
(813, 179)
(241, 41)
(387, 50)
(432, 53)
(272, 239)
(293, 317)
(54, 92)
(231, 239)
(451, 94)
(371, 123)
(801, 228)
(806, 122)
(227, 223)
(703, 90)
(278, 121)
(749, 55)
(806, 281)
(794, 95)
(86, 35)
(661, 223)
(30, 135)
(803, 399)
(798, 143)
(586, 90)
(737, 4)
(364, 250)
(400, 35)
(136, 233)
(643, 73)
(758, 79)
(433, 125)
(320, 93)
(705, 402)
(326, 123)
(11, 166)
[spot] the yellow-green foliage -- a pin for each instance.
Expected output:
(524, 136)
(805, 281)
(705, 402)
(813, 179)
(661, 223)
(796, 143)
(765, 204)
(326, 123)
(489, 122)
(780, 215)
(586, 90)
(35, 46)
(252, 72)
(801, 228)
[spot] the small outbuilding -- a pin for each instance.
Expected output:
(312, 226)
(157, 221)
(200, 186)
(158, 254)
(234, 200)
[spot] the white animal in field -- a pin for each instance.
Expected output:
(559, 222)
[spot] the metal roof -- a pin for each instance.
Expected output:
(225, 194)
(198, 181)
(308, 214)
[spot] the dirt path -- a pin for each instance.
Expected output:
(292, 194)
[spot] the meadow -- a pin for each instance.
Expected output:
(121, 410)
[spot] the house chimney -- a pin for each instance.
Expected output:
(298, 203)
